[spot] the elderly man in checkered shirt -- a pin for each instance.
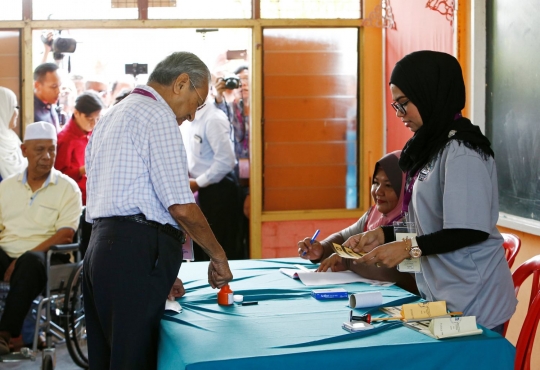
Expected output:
(140, 204)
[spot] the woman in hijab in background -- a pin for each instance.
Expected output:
(451, 194)
(387, 191)
(11, 158)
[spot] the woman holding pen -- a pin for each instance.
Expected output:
(387, 191)
(451, 195)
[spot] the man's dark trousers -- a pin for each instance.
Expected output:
(26, 283)
(220, 204)
(129, 269)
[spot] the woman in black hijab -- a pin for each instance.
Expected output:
(451, 195)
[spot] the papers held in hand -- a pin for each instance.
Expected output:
(346, 252)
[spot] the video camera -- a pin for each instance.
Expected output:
(59, 45)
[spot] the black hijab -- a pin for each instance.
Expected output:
(433, 81)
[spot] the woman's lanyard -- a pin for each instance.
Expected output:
(407, 194)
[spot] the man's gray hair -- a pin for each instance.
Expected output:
(168, 70)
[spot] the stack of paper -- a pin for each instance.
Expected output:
(451, 327)
(423, 311)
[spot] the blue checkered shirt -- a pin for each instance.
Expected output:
(136, 161)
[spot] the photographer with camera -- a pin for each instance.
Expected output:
(237, 110)
(52, 41)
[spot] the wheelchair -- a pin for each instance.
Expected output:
(59, 312)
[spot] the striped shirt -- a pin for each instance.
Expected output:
(136, 161)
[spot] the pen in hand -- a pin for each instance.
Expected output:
(313, 239)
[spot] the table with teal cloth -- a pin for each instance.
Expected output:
(288, 329)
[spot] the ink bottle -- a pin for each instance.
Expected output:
(225, 296)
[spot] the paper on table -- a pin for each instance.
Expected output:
(452, 327)
(416, 311)
(294, 272)
(329, 278)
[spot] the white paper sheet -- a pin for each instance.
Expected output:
(330, 278)
(173, 306)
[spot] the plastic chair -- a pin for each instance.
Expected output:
(528, 330)
(511, 246)
(525, 342)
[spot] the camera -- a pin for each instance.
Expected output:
(232, 82)
(136, 69)
(59, 45)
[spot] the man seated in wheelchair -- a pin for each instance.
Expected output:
(39, 207)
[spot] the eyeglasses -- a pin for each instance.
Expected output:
(203, 104)
(17, 107)
(400, 107)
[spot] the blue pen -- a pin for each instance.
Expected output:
(313, 239)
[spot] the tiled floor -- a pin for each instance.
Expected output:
(63, 361)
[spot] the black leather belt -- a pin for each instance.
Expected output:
(139, 218)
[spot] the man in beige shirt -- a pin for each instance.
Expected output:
(39, 207)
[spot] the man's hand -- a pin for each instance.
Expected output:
(247, 206)
(219, 88)
(9, 271)
(313, 251)
(335, 262)
(219, 273)
(177, 290)
(193, 185)
(48, 41)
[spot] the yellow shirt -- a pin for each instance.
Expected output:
(28, 218)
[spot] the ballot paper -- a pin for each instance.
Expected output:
(451, 327)
(173, 306)
(312, 278)
(346, 252)
(424, 310)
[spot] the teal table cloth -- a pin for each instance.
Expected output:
(289, 329)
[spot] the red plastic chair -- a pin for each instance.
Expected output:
(525, 342)
(511, 246)
(528, 330)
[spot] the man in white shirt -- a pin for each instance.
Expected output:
(211, 160)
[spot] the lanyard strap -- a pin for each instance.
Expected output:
(143, 92)
(407, 194)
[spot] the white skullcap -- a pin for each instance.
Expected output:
(40, 130)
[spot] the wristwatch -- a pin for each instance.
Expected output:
(415, 251)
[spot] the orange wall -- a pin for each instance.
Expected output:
(310, 103)
(281, 237)
(417, 28)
